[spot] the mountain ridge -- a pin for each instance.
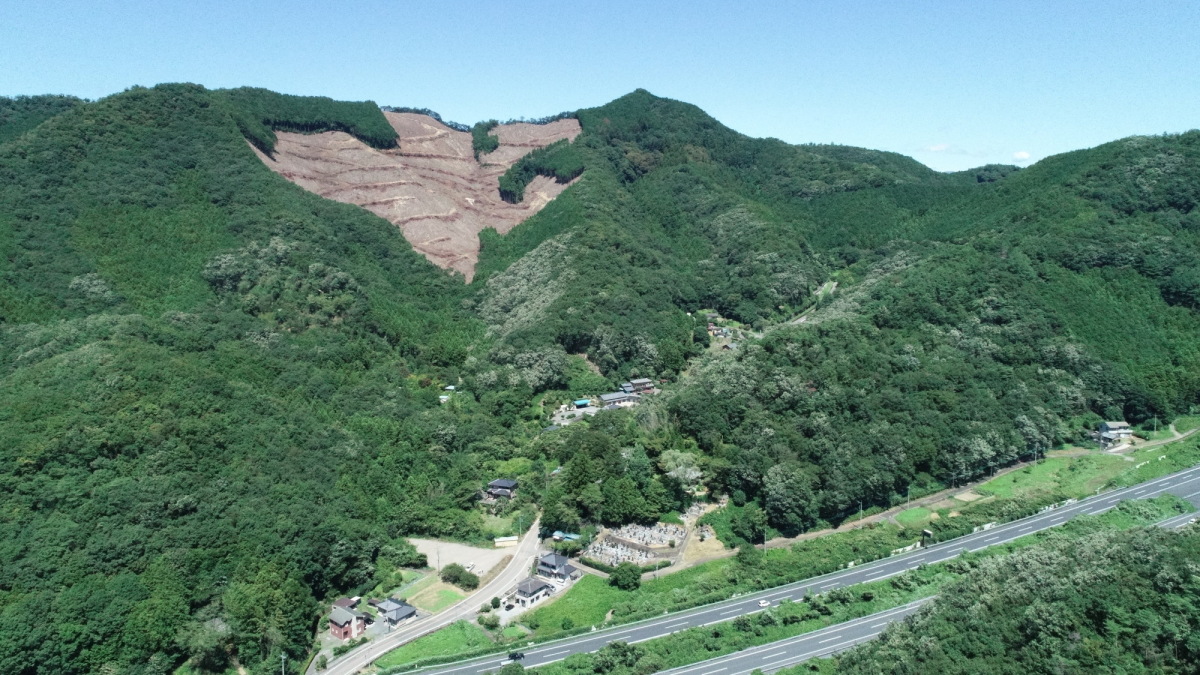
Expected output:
(219, 392)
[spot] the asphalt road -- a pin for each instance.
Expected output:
(1185, 484)
(786, 653)
(833, 639)
(517, 569)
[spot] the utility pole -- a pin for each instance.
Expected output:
(283, 664)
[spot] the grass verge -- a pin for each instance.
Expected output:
(458, 637)
(789, 619)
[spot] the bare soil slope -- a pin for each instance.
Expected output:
(431, 187)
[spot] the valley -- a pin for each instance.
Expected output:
(240, 367)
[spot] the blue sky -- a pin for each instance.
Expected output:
(953, 84)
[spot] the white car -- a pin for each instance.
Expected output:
(764, 603)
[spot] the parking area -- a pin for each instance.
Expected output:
(442, 553)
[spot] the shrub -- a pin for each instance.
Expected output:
(627, 577)
(459, 576)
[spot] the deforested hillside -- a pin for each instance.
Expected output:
(431, 181)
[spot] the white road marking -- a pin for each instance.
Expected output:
(771, 656)
(835, 637)
(681, 623)
(730, 611)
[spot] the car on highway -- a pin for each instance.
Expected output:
(764, 603)
(516, 656)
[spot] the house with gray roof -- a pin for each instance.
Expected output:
(394, 611)
(531, 590)
(346, 624)
(555, 566)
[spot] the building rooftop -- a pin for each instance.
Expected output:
(342, 616)
(553, 560)
(503, 483)
(532, 585)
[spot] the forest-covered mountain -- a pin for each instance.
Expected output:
(219, 392)
(1110, 602)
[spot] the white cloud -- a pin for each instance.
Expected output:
(940, 147)
(1021, 156)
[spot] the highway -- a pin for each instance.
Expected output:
(840, 637)
(1184, 483)
(787, 653)
(517, 569)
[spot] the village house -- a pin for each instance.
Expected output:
(1115, 431)
(619, 398)
(394, 611)
(502, 487)
(346, 624)
(642, 384)
(531, 590)
(555, 566)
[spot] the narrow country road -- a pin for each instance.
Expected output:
(516, 569)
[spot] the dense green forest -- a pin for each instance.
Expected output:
(22, 113)
(982, 316)
(219, 392)
(1109, 602)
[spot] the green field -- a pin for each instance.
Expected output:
(438, 600)
(585, 603)
(458, 637)
(1187, 423)
(1066, 476)
(914, 517)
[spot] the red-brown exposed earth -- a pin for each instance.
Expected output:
(430, 187)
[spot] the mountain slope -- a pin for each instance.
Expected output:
(1110, 602)
(219, 392)
(216, 392)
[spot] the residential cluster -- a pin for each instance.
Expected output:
(553, 573)
(630, 394)
(347, 622)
